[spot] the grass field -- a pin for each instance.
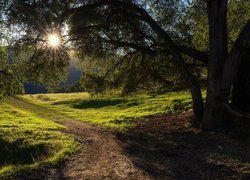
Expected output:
(28, 141)
(115, 112)
(29, 138)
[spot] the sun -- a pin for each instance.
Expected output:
(53, 40)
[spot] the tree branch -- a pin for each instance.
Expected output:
(194, 53)
(131, 45)
(142, 14)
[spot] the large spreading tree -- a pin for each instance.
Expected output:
(146, 31)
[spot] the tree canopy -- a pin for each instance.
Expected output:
(136, 44)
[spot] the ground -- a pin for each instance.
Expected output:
(157, 147)
(27, 140)
(113, 111)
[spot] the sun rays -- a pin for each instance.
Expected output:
(54, 40)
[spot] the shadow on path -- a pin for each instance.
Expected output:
(167, 147)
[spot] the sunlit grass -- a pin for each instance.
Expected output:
(28, 129)
(28, 141)
(115, 112)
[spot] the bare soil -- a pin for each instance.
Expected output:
(159, 147)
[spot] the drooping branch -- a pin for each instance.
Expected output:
(142, 49)
(194, 53)
(100, 3)
(138, 12)
(186, 74)
(121, 61)
(143, 15)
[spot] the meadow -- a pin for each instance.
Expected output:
(31, 135)
(28, 141)
(39, 131)
(115, 112)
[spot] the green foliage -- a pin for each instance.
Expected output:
(94, 84)
(37, 61)
(124, 53)
(132, 73)
(28, 141)
(44, 66)
(238, 14)
(9, 82)
(115, 112)
(199, 25)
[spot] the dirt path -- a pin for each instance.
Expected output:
(159, 147)
(101, 155)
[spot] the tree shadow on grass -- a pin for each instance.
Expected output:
(98, 103)
(19, 152)
(166, 148)
(180, 105)
(93, 103)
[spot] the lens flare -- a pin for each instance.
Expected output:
(53, 40)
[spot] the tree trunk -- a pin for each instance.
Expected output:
(194, 86)
(213, 114)
(198, 104)
(241, 86)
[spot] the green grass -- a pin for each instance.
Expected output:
(28, 141)
(115, 112)
(29, 138)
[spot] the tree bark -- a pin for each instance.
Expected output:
(241, 86)
(194, 86)
(234, 58)
(214, 116)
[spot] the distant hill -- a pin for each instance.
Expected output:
(73, 77)
(31, 88)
